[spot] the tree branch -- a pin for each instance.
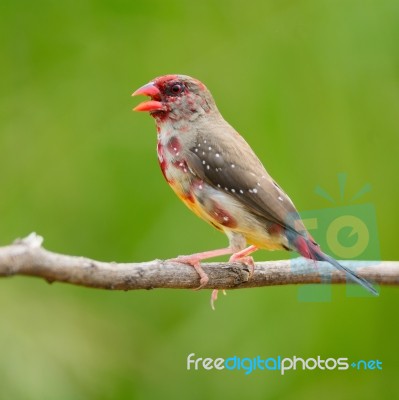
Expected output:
(28, 257)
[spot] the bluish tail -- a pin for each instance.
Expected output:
(309, 249)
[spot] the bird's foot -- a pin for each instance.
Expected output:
(195, 262)
(247, 260)
(243, 257)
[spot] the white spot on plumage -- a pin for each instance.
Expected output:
(280, 198)
(204, 141)
(226, 188)
(218, 185)
(255, 190)
(200, 187)
(207, 167)
(209, 148)
(196, 150)
(258, 184)
(203, 162)
(233, 190)
(225, 218)
(199, 144)
(233, 166)
(177, 153)
(250, 190)
(241, 191)
(181, 164)
(203, 153)
(217, 155)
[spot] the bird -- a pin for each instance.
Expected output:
(218, 176)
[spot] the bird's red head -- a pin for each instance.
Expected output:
(175, 96)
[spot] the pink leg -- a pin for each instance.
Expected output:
(242, 256)
(195, 261)
(243, 253)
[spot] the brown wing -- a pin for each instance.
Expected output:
(229, 164)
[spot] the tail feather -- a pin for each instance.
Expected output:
(311, 250)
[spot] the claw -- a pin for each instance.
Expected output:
(203, 281)
(214, 297)
(195, 263)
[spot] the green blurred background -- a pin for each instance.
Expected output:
(312, 85)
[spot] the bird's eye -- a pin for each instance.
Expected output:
(176, 89)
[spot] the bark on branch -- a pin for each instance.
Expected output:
(28, 257)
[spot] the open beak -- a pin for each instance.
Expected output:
(151, 105)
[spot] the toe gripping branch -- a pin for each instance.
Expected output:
(195, 261)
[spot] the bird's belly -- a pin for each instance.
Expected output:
(226, 214)
(263, 240)
(219, 208)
